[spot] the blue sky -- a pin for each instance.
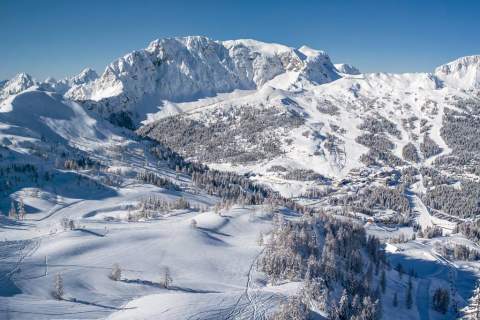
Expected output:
(59, 38)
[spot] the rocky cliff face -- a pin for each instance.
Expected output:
(183, 69)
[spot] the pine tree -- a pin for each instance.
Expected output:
(12, 214)
(395, 299)
(260, 239)
(167, 279)
(21, 210)
(193, 224)
(472, 311)
(58, 287)
(116, 272)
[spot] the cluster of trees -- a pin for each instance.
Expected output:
(304, 175)
(152, 178)
(379, 198)
(229, 185)
(81, 163)
(378, 124)
(292, 309)
(375, 141)
(153, 206)
(458, 252)
(14, 173)
(316, 193)
(461, 130)
(429, 147)
(472, 311)
(410, 153)
(430, 232)
(324, 252)
(335, 146)
(433, 177)
(461, 202)
(327, 107)
(470, 229)
(154, 203)
(237, 134)
(408, 175)
(67, 223)
(375, 157)
(226, 185)
(17, 212)
(277, 168)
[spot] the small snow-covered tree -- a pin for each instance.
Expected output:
(58, 287)
(21, 210)
(167, 278)
(292, 309)
(116, 272)
(12, 214)
(472, 311)
(193, 224)
(260, 239)
(342, 310)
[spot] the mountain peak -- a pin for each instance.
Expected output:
(18, 83)
(462, 73)
(188, 68)
(347, 69)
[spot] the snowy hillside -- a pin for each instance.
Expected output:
(202, 179)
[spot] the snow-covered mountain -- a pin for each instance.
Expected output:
(184, 69)
(346, 68)
(24, 81)
(17, 84)
(463, 73)
(328, 192)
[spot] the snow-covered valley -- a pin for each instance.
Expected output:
(201, 179)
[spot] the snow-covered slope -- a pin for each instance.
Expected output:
(17, 84)
(463, 73)
(86, 76)
(346, 68)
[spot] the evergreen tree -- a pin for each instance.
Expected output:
(167, 278)
(21, 210)
(12, 214)
(395, 300)
(58, 287)
(116, 272)
(472, 311)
